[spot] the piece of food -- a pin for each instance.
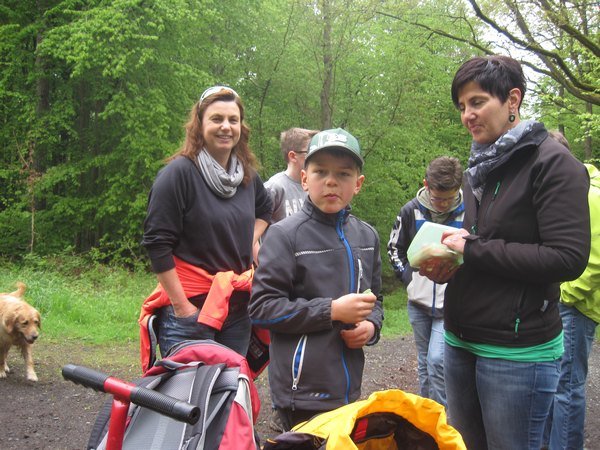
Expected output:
(438, 252)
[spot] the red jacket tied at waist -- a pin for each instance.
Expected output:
(195, 281)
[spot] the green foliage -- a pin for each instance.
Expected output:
(93, 96)
(395, 314)
(14, 229)
(96, 304)
(79, 299)
(576, 119)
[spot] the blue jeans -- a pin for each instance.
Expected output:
(235, 333)
(498, 404)
(568, 416)
(429, 340)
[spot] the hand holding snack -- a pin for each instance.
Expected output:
(438, 270)
(429, 244)
(353, 308)
(358, 335)
(455, 241)
(438, 261)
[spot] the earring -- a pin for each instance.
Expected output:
(511, 118)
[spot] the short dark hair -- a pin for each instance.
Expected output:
(295, 139)
(444, 174)
(495, 74)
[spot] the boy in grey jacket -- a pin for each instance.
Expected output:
(438, 201)
(318, 287)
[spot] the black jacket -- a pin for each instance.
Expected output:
(530, 232)
(186, 219)
(307, 260)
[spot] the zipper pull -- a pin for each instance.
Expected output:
(360, 275)
(496, 190)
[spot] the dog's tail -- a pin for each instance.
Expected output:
(21, 287)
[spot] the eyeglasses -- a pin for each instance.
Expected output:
(443, 200)
(300, 153)
(214, 90)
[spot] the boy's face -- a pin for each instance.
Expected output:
(442, 201)
(331, 181)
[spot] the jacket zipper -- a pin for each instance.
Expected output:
(518, 314)
(340, 233)
(491, 204)
(475, 226)
(297, 364)
(347, 396)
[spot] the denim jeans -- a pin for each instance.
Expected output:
(568, 415)
(498, 404)
(429, 340)
(235, 333)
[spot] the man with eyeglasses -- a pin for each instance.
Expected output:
(438, 201)
(285, 188)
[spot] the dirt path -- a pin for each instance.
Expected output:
(58, 415)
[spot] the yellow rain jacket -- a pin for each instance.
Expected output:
(584, 293)
(387, 420)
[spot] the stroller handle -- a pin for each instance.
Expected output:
(147, 398)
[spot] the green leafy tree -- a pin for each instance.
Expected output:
(556, 39)
(337, 63)
(106, 89)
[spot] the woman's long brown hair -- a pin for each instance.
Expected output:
(194, 142)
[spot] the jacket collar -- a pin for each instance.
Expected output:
(332, 219)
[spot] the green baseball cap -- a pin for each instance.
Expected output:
(336, 138)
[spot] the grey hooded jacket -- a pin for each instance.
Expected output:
(306, 261)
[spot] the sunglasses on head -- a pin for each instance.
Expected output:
(216, 89)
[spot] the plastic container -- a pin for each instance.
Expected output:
(427, 244)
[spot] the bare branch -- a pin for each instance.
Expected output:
(570, 30)
(552, 62)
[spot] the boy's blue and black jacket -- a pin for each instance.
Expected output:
(306, 261)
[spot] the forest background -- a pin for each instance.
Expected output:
(94, 95)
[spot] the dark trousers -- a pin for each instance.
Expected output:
(289, 419)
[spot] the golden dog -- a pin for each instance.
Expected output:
(19, 325)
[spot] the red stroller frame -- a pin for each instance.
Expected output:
(125, 393)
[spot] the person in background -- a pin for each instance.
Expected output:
(318, 287)
(580, 313)
(287, 193)
(285, 188)
(438, 201)
(526, 229)
(206, 209)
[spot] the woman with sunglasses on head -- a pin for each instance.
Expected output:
(206, 209)
(526, 229)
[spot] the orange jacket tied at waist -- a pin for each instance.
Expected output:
(195, 281)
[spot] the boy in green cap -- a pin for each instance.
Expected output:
(318, 287)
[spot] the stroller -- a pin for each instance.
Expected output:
(199, 396)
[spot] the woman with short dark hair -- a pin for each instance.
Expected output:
(526, 230)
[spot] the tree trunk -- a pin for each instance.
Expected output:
(36, 150)
(326, 109)
(587, 143)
